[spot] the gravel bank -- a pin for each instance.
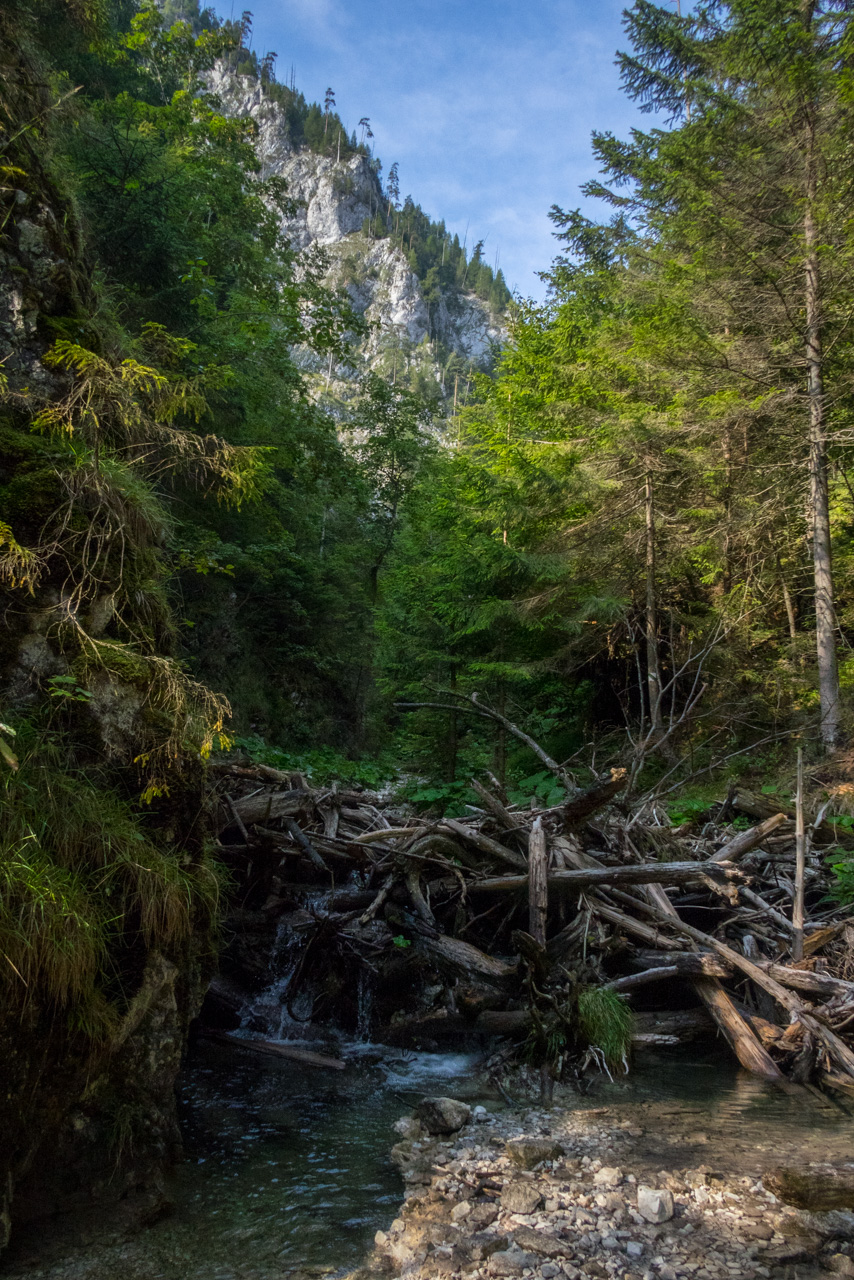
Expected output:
(569, 1194)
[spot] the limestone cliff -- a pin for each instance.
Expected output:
(333, 201)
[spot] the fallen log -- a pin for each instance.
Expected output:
(276, 1049)
(836, 1048)
(629, 925)
(305, 844)
(747, 840)
(688, 964)
(389, 833)
(747, 1048)
(707, 963)
(495, 807)
(267, 806)
(485, 843)
(591, 877)
(642, 979)
(464, 958)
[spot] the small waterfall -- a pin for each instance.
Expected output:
(365, 994)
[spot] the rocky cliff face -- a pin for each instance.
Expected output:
(333, 200)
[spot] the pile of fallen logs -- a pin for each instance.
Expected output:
(481, 924)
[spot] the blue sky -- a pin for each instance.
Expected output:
(486, 107)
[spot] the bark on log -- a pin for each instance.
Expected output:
(538, 883)
(462, 957)
(270, 805)
(592, 877)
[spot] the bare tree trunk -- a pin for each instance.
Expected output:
(825, 618)
(653, 679)
(789, 604)
(538, 883)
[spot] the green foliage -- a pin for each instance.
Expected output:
(605, 1023)
(82, 884)
(321, 764)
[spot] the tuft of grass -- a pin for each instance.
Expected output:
(605, 1022)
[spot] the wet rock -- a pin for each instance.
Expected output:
(541, 1242)
(812, 1189)
(480, 1115)
(521, 1197)
(527, 1153)
(443, 1115)
(655, 1205)
(511, 1262)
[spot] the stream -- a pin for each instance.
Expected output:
(287, 1170)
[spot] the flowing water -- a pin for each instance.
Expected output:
(287, 1170)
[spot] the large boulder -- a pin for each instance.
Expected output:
(655, 1205)
(443, 1115)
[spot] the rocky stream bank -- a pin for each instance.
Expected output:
(566, 1194)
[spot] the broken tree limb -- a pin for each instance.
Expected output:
(305, 844)
(633, 980)
(495, 807)
(484, 843)
(747, 840)
(538, 883)
(592, 877)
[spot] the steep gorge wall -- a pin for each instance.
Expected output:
(334, 198)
